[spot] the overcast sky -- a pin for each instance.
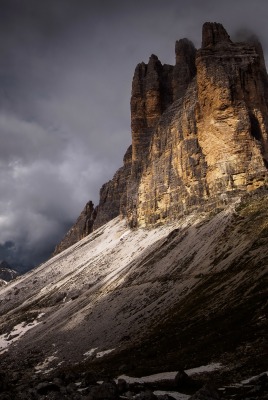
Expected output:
(66, 68)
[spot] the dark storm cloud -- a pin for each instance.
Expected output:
(65, 81)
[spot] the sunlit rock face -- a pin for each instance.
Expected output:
(212, 141)
(199, 132)
(231, 111)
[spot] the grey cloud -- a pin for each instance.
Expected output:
(27, 140)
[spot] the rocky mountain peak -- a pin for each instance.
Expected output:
(153, 59)
(214, 33)
(199, 133)
(184, 69)
(185, 51)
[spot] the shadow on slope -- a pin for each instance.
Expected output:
(194, 297)
(223, 317)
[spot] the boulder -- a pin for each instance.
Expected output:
(105, 391)
(207, 392)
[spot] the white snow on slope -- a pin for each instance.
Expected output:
(103, 353)
(100, 354)
(204, 368)
(17, 332)
(44, 365)
(171, 375)
(90, 352)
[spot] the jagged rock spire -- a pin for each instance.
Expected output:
(184, 69)
(214, 33)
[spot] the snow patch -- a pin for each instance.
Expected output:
(90, 352)
(17, 332)
(171, 375)
(204, 368)
(99, 354)
(44, 365)
(103, 353)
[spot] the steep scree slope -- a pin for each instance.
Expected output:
(179, 295)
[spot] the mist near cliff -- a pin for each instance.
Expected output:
(65, 81)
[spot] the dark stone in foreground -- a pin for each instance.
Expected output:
(106, 391)
(207, 392)
(184, 382)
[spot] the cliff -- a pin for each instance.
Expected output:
(211, 144)
(199, 133)
(82, 227)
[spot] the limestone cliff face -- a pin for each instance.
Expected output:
(212, 143)
(156, 89)
(151, 95)
(175, 178)
(231, 112)
(199, 132)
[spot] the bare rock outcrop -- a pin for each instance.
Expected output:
(6, 272)
(185, 69)
(151, 95)
(82, 227)
(113, 194)
(231, 112)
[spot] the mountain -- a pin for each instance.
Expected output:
(6, 272)
(169, 272)
(199, 135)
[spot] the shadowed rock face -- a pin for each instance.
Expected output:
(151, 95)
(113, 194)
(185, 69)
(199, 132)
(82, 227)
(214, 33)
